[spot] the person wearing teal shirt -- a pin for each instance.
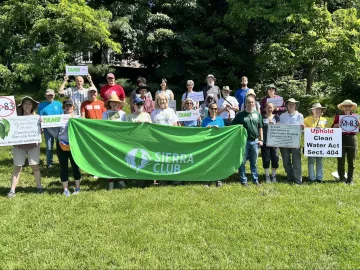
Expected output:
(49, 107)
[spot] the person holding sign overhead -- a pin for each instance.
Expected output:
(78, 94)
(315, 120)
(228, 106)
(292, 156)
(27, 107)
(349, 139)
(279, 106)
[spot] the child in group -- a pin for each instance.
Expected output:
(315, 120)
(114, 112)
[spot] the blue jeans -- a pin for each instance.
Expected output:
(319, 168)
(251, 150)
(49, 141)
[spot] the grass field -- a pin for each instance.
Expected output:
(274, 226)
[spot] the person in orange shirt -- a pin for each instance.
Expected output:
(92, 108)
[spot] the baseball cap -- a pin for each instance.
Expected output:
(110, 75)
(138, 101)
(50, 92)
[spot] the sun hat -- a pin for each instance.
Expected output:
(347, 102)
(210, 76)
(226, 88)
(143, 86)
(138, 100)
(114, 98)
(50, 92)
(317, 105)
(251, 92)
(34, 102)
(292, 100)
(110, 75)
(271, 85)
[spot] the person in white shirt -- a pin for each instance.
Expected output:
(292, 156)
(139, 115)
(190, 86)
(162, 114)
(228, 106)
(114, 111)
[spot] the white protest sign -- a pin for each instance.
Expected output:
(196, 96)
(7, 106)
(278, 101)
(172, 104)
(20, 130)
(323, 142)
(349, 123)
(60, 120)
(76, 70)
(188, 115)
(284, 136)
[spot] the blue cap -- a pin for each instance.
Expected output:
(138, 100)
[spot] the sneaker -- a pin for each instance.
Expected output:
(207, 185)
(40, 190)
(11, 194)
(50, 167)
(95, 177)
(111, 186)
(268, 179)
(77, 191)
(257, 183)
(122, 184)
(244, 184)
(298, 182)
(273, 179)
(219, 184)
(319, 181)
(67, 193)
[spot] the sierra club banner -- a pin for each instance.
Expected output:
(112, 149)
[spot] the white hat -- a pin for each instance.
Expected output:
(347, 102)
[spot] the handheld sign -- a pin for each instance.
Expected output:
(60, 120)
(172, 104)
(18, 130)
(76, 70)
(323, 142)
(349, 123)
(278, 101)
(7, 106)
(196, 96)
(188, 115)
(284, 136)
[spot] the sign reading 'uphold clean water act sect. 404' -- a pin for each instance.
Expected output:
(146, 151)
(322, 142)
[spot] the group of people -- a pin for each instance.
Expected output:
(218, 109)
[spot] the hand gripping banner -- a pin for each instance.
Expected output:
(113, 149)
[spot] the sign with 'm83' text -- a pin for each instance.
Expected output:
(349, 123)
(7, 106)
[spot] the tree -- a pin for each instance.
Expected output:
(40, 37)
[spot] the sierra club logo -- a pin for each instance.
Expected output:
(163, 163)
(4, 128)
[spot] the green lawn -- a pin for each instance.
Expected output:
(271, 226)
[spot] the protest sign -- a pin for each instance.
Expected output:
(284, 136)
(7, 106)
(60, 120)
(323, 142)
(172, 104)
(349, 123)
(196, 96)
(188, 115)
(152, 151)
(20, 130)
(278, 101)
(76, 70)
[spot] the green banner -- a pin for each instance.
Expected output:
(113, 149)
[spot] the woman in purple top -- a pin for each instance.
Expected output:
(271, 91)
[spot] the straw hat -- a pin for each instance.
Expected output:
(226, 88)
(114, 98)
(251, 92)
(347, 102)
(210, 76)
(317, 105)
(34, 102)
(292, 100)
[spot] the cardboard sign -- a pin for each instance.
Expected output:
(278, 101)
(7, 106)
(60, 120)
(323, 142)
(172, 104)
(349, 123)
(280, 135)
(76, 70)
(196, 96)
(188, 115)
(20, 130)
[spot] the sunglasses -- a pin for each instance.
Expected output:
(139, 104)
(213, 109)
(189, 103)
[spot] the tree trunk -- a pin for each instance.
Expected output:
(310, 78)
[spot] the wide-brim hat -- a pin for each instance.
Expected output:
(271, 85)
(34, 102)
(210, 76)
(347, 102)
(226, 88)
(142, 87)
(292, 100)
(251, 92)
(317, 105)
(114, 98)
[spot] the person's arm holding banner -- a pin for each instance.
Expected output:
(61, 90)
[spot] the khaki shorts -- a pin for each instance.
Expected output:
(19, 156)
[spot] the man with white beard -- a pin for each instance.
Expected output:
(211, 88)
(163, 115)
(139, 115)
(228, 106)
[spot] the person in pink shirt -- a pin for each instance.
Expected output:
(111, 88)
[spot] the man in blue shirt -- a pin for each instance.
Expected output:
(241, 93)
(49, 107)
